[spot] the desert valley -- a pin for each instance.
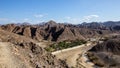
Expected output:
(59, 34)
(59, 45)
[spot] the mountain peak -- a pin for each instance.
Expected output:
(51, 22)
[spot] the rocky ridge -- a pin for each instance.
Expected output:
(26, 50)
(106, 54)
(53, 31)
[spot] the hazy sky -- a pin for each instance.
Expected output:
(72, 11)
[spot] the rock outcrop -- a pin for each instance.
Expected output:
(32, 55)
(106, 54)
(49, 31)
(53, 31)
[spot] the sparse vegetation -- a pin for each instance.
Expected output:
(64, 45)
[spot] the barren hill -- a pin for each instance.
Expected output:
(24, 43)
(22, 52)
(106, 54)
(53, 31)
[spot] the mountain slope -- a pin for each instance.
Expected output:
(106, 54)
(25, 53)
(53, 31)
(48, 31)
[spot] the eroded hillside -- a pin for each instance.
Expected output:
(106, 54)
(21, 52)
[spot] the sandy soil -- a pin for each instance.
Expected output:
(7, 58)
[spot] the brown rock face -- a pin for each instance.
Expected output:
(50, 31)
(70, 34)
(9, 27)
(53, 31)
(107, 54)
(29, 53)
(112, 46)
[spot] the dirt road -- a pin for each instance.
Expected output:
(71, 54)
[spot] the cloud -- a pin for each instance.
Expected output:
(40, 21)
(4, 19)
(40, 15)
(72, 20)
(90, 17)
(26, 19)
(13, 21)
(67, 17)
(79, 20)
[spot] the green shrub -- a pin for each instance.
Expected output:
(49, 49)
(64, 45)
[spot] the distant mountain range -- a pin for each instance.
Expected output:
(99, 25)
(53, 31)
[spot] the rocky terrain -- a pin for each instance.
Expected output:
(21, 52)
(53, 31)
(106, 54)
(23, 43)
(71, 55)
(50, 31)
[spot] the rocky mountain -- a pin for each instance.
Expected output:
(23, 52)
(106, 54)
(23, 43)
(109, 25)
(112, 23)
(111, 46)
(53, 31)
(93, 25)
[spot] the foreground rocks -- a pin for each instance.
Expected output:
(30, 54)
(106, 54)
